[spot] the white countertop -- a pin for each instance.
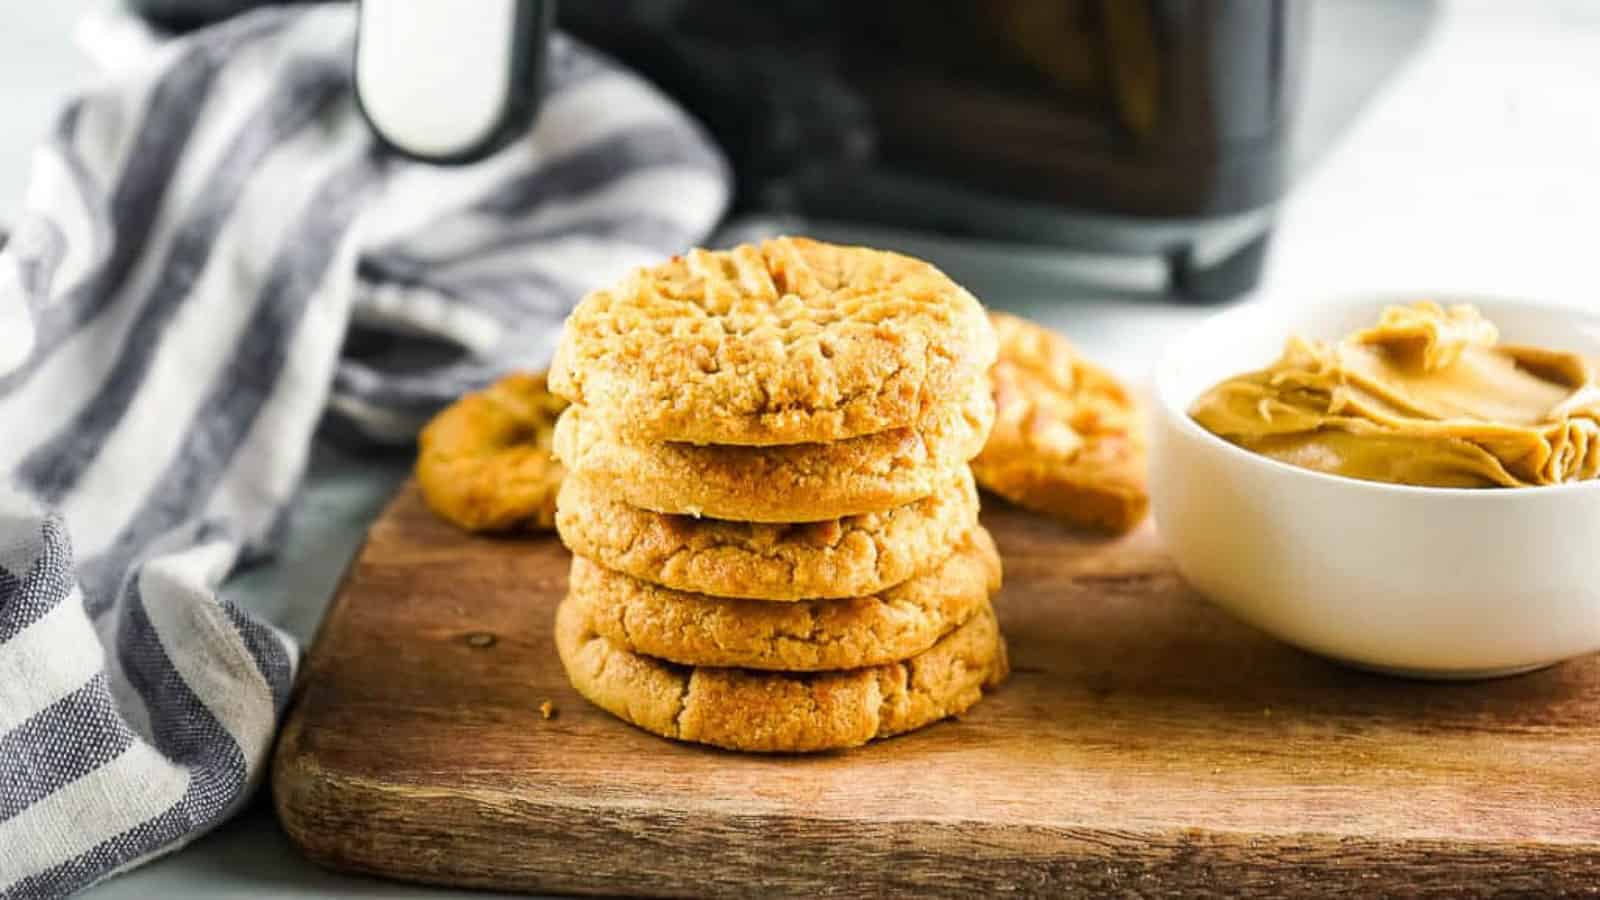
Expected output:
(1477, 168)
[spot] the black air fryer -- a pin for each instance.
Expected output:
(1124, 126)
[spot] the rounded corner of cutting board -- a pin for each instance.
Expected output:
(300, 789)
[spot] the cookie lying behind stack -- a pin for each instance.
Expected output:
(484, 462)
(1068, 439)
(818, 406)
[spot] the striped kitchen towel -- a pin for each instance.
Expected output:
(216, 258)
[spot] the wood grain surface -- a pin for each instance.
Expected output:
(1146, 745)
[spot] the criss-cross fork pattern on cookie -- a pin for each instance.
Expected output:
(788, 341)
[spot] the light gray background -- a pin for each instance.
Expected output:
(1474, 168)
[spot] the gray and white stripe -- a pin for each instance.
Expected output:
(209, 241)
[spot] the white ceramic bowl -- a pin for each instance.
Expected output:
(1428, 582)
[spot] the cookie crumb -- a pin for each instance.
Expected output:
(547, 709)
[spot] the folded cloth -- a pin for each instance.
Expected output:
(215, 258)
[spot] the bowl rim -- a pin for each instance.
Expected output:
(1266, 305)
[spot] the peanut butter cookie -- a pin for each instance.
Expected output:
(782, 712)
(848, 557)
(808, 636)
(788, 483)
(1068, 440)
(789, 341)
(484, 462)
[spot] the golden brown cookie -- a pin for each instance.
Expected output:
(808, 636)
(847, 557)
(782, 712)
(789, 341)
(1068, 440)
(484, 462)
(788, 483)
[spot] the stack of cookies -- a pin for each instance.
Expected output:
(774, 526)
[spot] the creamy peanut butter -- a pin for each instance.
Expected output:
(1428, 397)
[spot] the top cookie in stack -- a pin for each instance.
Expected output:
(793, 341)
(784, 423)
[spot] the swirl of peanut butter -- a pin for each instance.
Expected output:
(1426, 397)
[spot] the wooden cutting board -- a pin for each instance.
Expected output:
(1146, 744)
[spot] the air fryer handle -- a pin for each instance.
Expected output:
(448, 82)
